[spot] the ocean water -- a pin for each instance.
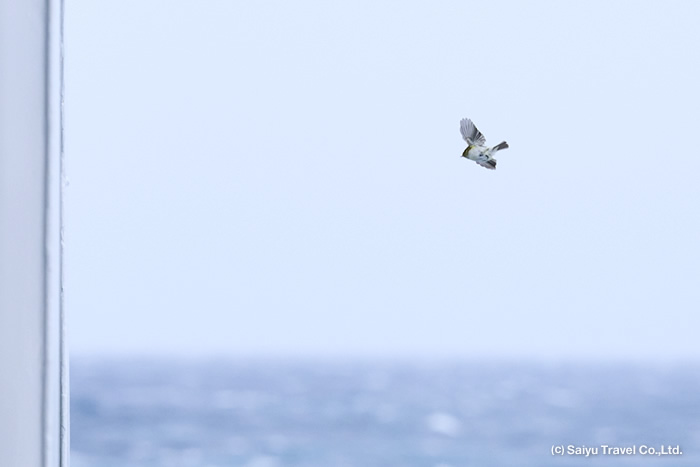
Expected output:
(285, 413)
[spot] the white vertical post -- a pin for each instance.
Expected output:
(33, 369)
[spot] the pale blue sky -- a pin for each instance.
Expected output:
(264, 178)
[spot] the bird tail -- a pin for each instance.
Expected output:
(499, 146)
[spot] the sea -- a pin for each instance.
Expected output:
(219, 412)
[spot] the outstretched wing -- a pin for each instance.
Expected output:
(489, 164)
(470, 133)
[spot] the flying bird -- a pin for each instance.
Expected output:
(477, 150)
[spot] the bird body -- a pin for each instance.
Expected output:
(477, 150)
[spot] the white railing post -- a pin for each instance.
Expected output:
(33, 361)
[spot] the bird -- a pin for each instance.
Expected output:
(477, 150)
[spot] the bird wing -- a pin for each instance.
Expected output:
(489, 164)
(470, 133)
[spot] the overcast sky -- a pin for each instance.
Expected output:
(274, 177)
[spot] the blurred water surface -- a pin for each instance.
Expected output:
(285, 413)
